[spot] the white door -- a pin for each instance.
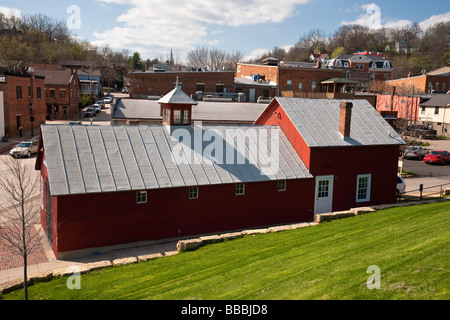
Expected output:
(251, 94)
(324, 194)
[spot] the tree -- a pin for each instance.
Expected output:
(337, 52)
(136, 62)
(207, 59)
(312, 40)
(19, 184)
(14, 52)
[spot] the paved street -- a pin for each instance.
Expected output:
(42, 254)
(428, 175)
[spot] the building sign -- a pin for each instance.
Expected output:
(2, 78)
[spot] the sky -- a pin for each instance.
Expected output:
(155, 27)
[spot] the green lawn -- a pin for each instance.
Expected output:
(410, 245)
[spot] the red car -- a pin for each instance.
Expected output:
(437, 156)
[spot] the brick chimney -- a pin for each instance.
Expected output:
(345, 118)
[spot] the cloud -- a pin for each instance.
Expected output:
(435, 19)
(372, 19)
(397, 23)
(217, 31)
(213, 42)
(152, 26)
(9, 12)
(256, 54)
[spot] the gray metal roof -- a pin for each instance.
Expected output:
(437, 100)
(317, 120)
(236, 112)
(91, 159)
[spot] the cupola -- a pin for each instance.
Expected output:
(177, 107)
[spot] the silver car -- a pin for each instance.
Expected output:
(25, 149)
(415, 152)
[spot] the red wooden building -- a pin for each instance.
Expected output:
(105, 186)
(347, 146)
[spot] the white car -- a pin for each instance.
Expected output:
(108, 100)
(101, 103)
(97, 108)
(401, 186)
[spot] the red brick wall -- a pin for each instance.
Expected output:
(247, 70)
(15, 107)
(306, 76)
(422, 83)
(69, 103)
(161, 83)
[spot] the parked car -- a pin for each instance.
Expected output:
(101, 103)
(401, 186)
(437, 156)
(421, 131)
(108, 99)
(125, 90)
(90, 112)
(97, 108)
(25, 149)
(415, 152)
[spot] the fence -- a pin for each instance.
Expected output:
(440, 191)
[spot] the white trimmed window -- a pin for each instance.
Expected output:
(240, 189)
(282, 185)
(141, 197)
(166, 115)
(181, 117)
(193, 193)
(363, 187)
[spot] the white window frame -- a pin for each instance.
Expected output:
(141, 197)
(193, 193)
(181, 117)
(240, 189)
(359, 187)
(289, 85)
(166, 115)
(282, 185)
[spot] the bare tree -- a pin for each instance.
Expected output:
(213, 59)
(312, 40)
(19, 184)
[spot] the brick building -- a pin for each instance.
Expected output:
(159, 83)
(288, 76)
(437, 81)
(22, 102)
(62, 93)
(364, 67)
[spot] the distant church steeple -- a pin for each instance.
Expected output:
(171, 61)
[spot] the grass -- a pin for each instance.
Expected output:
(410, 245)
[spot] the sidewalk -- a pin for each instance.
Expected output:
(6, 146)
(52, 266)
